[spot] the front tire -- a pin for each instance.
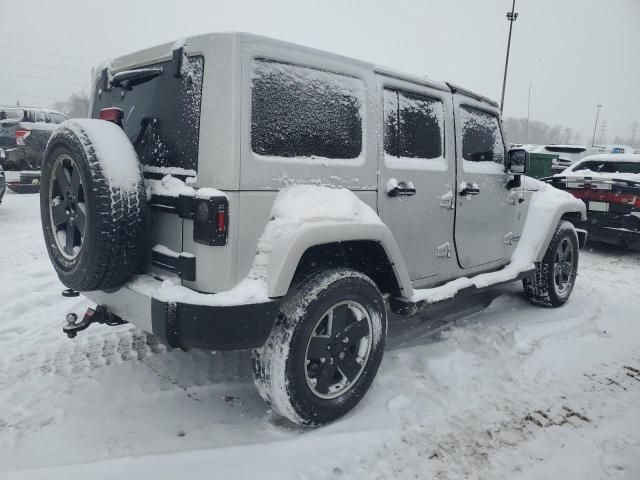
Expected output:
(555, 276)
(325, 347)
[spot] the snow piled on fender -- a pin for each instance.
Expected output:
(545, 202)
(118, 159)
(294, 207)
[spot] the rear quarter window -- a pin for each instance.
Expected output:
(302, 112)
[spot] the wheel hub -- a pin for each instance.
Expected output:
(66, 206)
(338, 349)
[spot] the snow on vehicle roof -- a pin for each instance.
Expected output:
(164, 51)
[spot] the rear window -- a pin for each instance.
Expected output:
(11, 114)
(609, 167)
(161, 116)
(304, 112)
(562, 149)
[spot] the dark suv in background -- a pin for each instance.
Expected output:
(24, 133)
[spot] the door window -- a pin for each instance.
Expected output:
(482, 145)
(40, 116)
(413, 131)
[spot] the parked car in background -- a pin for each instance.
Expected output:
(3, 184)
(24, 133)
(567, 154)
(609, 184)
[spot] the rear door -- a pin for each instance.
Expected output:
(417, 173)
(486, 210)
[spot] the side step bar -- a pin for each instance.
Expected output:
(404, 306)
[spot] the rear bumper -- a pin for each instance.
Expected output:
(184, 325)
(13, 158)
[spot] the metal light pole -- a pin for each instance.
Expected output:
(595, 127)
(512, 16)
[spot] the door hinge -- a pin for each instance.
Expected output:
(444, 250)
(510, 238)
(447, 200)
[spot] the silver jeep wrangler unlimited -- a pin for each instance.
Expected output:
(236, 192)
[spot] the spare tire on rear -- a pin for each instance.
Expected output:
(92, 204)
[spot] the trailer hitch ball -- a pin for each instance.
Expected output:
(71, 318)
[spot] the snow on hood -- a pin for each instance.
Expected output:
(294, 207)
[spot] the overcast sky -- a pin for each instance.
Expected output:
(575, 53)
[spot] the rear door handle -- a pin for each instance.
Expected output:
(468, 189)
(402, 190)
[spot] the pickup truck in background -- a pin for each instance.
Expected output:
(24, 133)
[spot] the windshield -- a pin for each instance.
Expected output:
(608, 167)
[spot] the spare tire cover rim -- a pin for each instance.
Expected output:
(67, 207)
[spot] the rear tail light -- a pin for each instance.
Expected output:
(112, 114)
(607, 196)
(211, 220)
(21, 135)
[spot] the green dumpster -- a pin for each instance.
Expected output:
(540, 165)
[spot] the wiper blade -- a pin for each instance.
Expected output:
(130, 78)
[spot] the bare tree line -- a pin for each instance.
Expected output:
(76, 106)
(543, 133)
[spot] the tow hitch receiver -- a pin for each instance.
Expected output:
(99, 315)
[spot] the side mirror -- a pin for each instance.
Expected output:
(517, 161)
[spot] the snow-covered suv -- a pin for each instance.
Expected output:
(238, 192)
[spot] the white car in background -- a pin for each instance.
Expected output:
(609, 185)
(568, 154)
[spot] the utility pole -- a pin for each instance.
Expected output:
(512, 16)
(526, 141)
(602, 139)
(593, 141)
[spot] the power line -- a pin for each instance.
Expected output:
(69, 57)
(44, 66)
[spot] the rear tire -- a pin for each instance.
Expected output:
(555, 276)
(94, 230)
(324, 349)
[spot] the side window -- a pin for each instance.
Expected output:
(413, 130)
(39, 116)
(303, 112)
(482, 145)
(57, 117)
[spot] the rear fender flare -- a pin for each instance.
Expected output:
(285, 256)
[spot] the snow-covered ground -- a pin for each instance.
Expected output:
(498, 389)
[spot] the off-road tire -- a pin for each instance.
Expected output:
(541, 288)
(115, 218)
(279, 367)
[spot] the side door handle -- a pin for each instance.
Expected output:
(402, 189)
(468, 189)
